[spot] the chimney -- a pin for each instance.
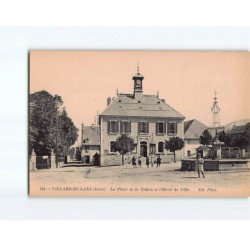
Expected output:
(108, 100)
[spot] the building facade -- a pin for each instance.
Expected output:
(90, 146)
(147, 119)
(193, 129)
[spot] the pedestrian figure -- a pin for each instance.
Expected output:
(158, 161)
(139, 161)
(200, 165)
(87, 173)
(152, 161)
(147, 161)
(134, 161)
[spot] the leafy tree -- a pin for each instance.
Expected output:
(225, 137)
(49, 128)
(124, 144)
(173, 144)
(206, 138)
(241, 141)
(67, 132)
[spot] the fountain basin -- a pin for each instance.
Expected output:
(217, 164)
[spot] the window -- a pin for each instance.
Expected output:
(135, 149)
(143, 127)
(172, 128)
(160, 128)
(160, 147)
(113, 127)
(188, 153)
(125, 127)
(112, 147)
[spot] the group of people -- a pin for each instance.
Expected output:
(149, 162)
(199, 163)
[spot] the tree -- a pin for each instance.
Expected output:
(206, 138)
(67, 132)
(49, 128)
(241, 140)
(223, 136)
(173, 144)
(124, 144)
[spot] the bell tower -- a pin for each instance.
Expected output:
(138, 83)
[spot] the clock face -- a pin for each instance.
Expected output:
(138, 81)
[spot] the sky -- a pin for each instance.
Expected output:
(186, 80)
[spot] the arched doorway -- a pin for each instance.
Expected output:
(143, 149)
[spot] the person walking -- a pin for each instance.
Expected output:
(134, 161)
(200, 165)
(152, 161)
(139, 161)
(147, 161)
(158, 161)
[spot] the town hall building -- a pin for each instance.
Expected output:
(147, 119)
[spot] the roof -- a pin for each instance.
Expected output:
(91, 135)
(75, 145)
(143, 106)
(193, 129)
(204, 147)
(138, 74)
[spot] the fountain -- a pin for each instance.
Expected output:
(215, 158)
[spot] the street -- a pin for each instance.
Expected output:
(166, 177)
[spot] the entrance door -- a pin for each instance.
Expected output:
(143, 149)
(96, 158)
(87, 159)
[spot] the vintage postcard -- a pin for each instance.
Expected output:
(139, 123)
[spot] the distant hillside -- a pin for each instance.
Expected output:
(237, 123)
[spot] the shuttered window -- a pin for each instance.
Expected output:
(160, 147)
(125, 127)
(113, 127)
(143, 127)
(160, 128)
(172, 128)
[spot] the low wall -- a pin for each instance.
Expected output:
(233, 153)
(217, 165)
(116, 159)
(111, 160)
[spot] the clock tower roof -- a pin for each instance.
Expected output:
(138, 75)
